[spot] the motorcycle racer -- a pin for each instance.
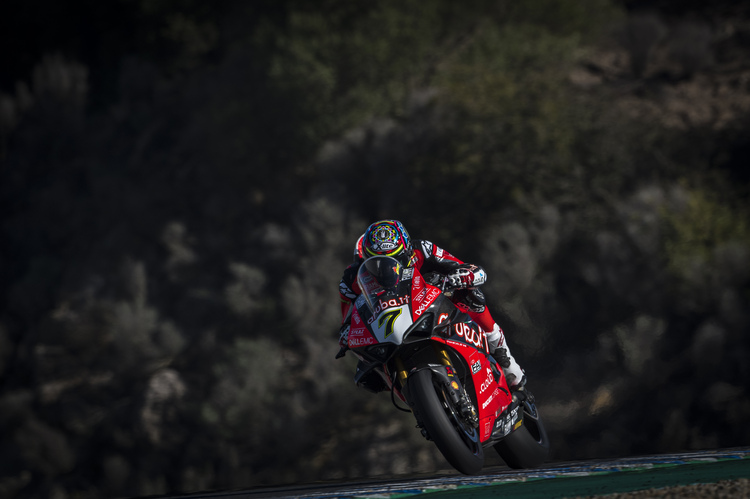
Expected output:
(390, 238)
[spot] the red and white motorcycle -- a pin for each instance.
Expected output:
(413, 340)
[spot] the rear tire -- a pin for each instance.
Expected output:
(457, 441)
(527, 446)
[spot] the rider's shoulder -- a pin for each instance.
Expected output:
(425, 246)
(351, 271)
(431, 250)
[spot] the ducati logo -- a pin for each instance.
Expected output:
(470, 334)
(487, 382)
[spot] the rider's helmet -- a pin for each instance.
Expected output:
(359, 251)
(388, 238)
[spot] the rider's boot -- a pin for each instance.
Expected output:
(499, 350)
(514, 375)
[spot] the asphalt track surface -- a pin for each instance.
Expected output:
(555, 480)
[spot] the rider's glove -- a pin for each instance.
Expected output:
(344, 336)
(467, 276)
(461, 278)
(343, 340)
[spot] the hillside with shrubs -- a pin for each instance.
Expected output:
(182, 184)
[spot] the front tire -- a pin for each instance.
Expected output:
(456, 439)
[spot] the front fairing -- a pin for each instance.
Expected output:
(397, 305)
(384, 307)
(411, 310)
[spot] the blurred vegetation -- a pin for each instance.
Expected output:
(181, 184)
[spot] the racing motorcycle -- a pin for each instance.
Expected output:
(413, 341)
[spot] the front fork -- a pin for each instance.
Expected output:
(447, 377)
(457, 393)
(442, 356)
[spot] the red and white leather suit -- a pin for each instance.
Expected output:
(428, 257)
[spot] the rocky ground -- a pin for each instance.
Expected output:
(725, 489)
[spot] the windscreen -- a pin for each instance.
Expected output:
(378, 278)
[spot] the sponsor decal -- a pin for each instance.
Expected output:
(479, 277)
(360, 337)
(457, 344)
(443, 317)
(438, 252)
(356, 319)
(394, 302)
(408, 272)
(384, 304)
(368, 283)
(509, 422)
(476, 367)
(490, 398)
(362, 341)
(454, 385)
(434, 292)
(487, 382)
(474, 336)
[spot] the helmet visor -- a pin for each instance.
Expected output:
(386, 271)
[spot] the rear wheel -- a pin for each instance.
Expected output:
(528, 445)
(455, 437)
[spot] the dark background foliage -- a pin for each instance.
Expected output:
(182, 182)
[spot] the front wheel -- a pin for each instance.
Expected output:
(455, 437)
(528, 445)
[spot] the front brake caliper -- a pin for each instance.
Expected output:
(459, 397)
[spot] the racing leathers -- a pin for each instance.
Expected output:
(464, 278)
